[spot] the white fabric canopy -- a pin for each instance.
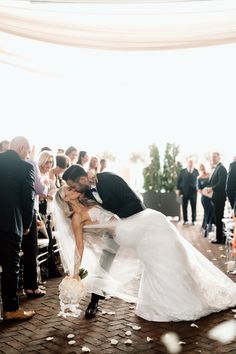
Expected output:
(147, 26)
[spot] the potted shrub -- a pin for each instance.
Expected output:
(160, 185)
(171, 169)
(152, 180)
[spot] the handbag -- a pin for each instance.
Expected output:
(207, 193)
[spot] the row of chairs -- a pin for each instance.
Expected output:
(230, 252)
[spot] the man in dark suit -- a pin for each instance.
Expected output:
(114, 194)
(217, 183)
(16, 203)
(187, 187)
(231, 186)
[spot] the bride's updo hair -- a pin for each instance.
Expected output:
(63, 205)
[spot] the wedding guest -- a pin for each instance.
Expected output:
(30, 243)
(4, 145)
(60, 151)
(202, 183)
(231, 185)
(187, 187)
(217, 183)
(72, 153)
(16, 201)
(83, 158)
(103, 164)
(94, 164)
(46, 163)
(45, 148)
(55, 174)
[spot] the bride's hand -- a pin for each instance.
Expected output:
(76, 276)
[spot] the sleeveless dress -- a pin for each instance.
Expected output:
(177, 283)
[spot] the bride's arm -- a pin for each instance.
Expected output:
(77, 227)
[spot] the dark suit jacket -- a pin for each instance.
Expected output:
(218, 182)
(116, 195)
(187, 182)
(231, 185)
(16, 193)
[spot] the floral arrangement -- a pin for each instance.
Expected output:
(71, 291)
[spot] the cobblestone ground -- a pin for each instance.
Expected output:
(30, 336)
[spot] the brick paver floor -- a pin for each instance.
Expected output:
(30, 336)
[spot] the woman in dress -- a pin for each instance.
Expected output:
(203, 182)
(177, 282)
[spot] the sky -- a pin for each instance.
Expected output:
(121, 102)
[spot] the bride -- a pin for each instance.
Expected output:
(177, 283)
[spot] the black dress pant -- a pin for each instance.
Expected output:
(192, 197)
(30, 249)
(10, 245)
(219, 205)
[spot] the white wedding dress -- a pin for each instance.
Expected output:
(149, 263)
(177, 282)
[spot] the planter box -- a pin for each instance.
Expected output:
(166, 203)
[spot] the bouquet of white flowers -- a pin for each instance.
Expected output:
(71, 291)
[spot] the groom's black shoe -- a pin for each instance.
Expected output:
(92, 308)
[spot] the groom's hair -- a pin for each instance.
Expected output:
(73, 173)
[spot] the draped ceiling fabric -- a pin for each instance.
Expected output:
(127, 26)
(34, 35)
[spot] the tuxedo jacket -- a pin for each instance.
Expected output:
(231, 185)
(187, 182)
(218, 182)
(16, 193)
(116, 195)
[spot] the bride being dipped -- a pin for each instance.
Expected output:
(177, 282)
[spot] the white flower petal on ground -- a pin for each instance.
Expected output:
(225, 332)
(71, 342)
(70, 335)
(193, 325)
(182, 343)
(114, 341)
(149, 339)
(49, 338)
(233, 310)
(103, 312)
(128, 342)
(214, 259)
(130, 324)
(85, 349)
(128, 333)
(111, 313)
(171, 342)
(209, 251)
(136, 328)
(131, 307)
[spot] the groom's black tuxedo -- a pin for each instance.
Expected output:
(116, 195)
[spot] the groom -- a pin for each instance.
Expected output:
(113, 194)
